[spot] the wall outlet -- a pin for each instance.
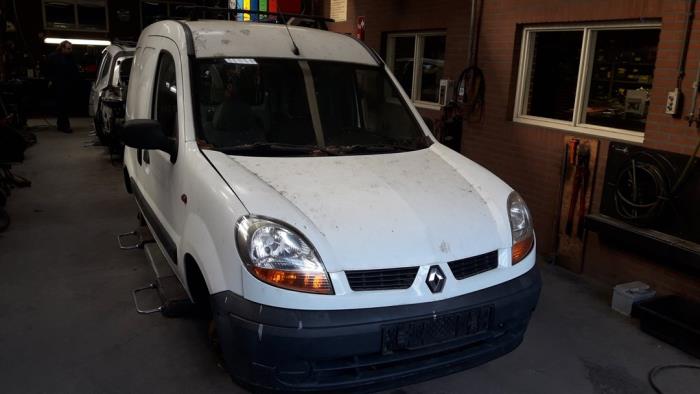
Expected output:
(446, 91)
(673, 102)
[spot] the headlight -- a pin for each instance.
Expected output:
(277, 255)
(520, 227)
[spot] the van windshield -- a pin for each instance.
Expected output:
(278, 107)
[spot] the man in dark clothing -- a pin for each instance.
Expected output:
(63, 74)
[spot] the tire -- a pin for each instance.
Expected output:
(198, 289)
(99, 128)
(204, 310)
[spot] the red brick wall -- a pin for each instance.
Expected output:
(529, 157)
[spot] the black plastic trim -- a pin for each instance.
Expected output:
(278, 349)
(475, 265)
(188, 38)
(156, 225)
(228, 302)
(127, 181)
(381, 279)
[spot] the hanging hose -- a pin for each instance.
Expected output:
(471, 93)
(654, 371)
(643, 187)
(639, 186)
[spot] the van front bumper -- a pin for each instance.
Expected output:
(302, 350)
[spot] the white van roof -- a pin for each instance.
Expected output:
(217, 38)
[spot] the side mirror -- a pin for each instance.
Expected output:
(147, 134)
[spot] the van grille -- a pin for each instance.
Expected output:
(471, 266)
(385, 279)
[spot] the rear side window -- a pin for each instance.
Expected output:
(165, 98)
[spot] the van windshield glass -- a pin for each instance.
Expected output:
(278, 107)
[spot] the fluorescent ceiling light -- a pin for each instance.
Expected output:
(76, 41)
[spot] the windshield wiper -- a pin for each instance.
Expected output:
(373, 148)
(270, 148)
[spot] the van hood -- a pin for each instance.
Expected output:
(377, 211)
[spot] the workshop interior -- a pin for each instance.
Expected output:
(350, 196)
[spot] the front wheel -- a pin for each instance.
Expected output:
(204, 308)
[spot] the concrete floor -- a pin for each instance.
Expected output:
(67, 321)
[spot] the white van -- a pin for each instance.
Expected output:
(108, 92)
(293, 188)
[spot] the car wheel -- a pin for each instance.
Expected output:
(99, 127)
(200, 294)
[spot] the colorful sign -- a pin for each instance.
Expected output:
(288, 6)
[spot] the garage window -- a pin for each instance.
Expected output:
(591, 79)
(154, 11)
(418, 62)
(89, 15)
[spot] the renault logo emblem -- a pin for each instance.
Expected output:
(435, 279)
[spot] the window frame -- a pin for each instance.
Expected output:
(168, 3)
(75, 4)
(175, 134)
(419, 46)
(581, 95)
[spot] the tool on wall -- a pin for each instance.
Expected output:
(577, 177)
(580, 155)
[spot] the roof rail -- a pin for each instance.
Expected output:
(124, 43)
(204, 12)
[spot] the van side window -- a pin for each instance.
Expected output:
(165, 98)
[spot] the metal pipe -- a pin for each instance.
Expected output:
(690, 12)
(691, 114)
(472, 25)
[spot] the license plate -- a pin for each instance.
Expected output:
(434, 330)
